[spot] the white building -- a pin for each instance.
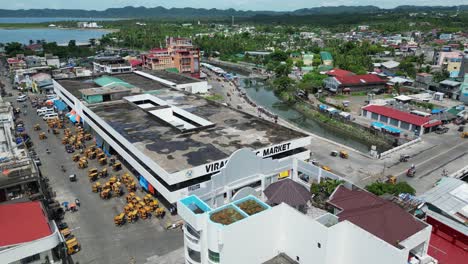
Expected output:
(27, 236)
(178, 81)
(173, 139)
(364, 229)
(111, 65)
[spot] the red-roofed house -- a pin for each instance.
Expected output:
(27, 235)
(353, 83)
(16, 64)
(339, 72)
(382, 219)
(403, 120)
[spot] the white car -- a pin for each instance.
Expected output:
(22, 98)
(50, 116)
(42, 109)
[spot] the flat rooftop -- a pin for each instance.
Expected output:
(76, 84)
(172, 77)
(175, 151)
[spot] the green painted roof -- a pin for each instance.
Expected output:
(325, 68)
(108, 80)
(326, 55)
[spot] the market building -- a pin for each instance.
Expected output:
(403, 120)
(247, 228)
(173, 140)
(27, 234)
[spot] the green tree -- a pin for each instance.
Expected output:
(13, 48)
(380, 188)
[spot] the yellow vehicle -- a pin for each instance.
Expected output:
(154, 204)
(391, 179)
(160, 212)
(130, 197)
(82, 164)
(92, 171)
(100, 154)
(87, 136)
(76, 157)
(147, 199)
(103, 173)
(73, 246)
(37, 127)
(96, 187)
(55, 131)
(119, 219)
(117, 189)
(129, 208)
(91, 155)
(148, 209)
(66, 233)
(42, 135)
(326, 168)
(142, 213)
(464, 135)
(93, 177)
(103, 161)
(131, 187)
(344, 154)
(105, 194)
(117, 166)
(132, 216)
(136, 201)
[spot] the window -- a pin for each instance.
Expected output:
(213, 256)
(375, 116)
(319, 245)
(393, 122)
(298, 258)
(31, 259)
(195, 255)
(404, 125)
(384, 119)
(364, 113)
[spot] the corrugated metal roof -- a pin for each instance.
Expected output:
(108, 80)
(449, 196)
(326, 55)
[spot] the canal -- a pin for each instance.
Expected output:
(262, 94)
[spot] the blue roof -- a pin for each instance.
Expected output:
(377, 124)
(392, 129)
(193, 202)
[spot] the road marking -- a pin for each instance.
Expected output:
(434, 157)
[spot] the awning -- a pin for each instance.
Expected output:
(432, 123)
(392, 129)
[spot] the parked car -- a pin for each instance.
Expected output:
(50, 116)
(442, 130)
(22, 98)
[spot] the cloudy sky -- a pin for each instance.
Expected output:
(277, 5)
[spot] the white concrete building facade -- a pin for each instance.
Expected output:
(257, 238)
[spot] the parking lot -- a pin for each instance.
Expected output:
(146, 241)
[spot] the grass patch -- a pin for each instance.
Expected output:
(214, 97)
(340, 96)
(363, 93)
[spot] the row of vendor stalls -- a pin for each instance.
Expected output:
(335, 112)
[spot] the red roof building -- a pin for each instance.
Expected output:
(377, 216)
(26, 234)
(400, 119)
(339, 72)
(22, 222)
(344, 82)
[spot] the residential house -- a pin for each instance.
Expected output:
(16, 64)
(37, 48)
(450, 88)
(339, 73)
(52, 60)
(390, 68)
(423, 80)
(354, 83)
(327, 58)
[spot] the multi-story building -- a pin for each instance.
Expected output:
(180, 55)
(172, 139)
(111, 65)
(357, 228)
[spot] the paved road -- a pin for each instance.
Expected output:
(434, 154)
(101, 241)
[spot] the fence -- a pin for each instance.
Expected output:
(390, 151)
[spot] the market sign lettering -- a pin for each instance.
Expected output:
(215, 166)
(274, 150)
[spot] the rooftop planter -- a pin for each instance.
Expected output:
(226, 216)
(251, 207)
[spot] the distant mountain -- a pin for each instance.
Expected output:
(161, 12)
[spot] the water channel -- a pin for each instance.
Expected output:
(261, 93)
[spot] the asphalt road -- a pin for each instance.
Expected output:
(101, 240)
(434, 154)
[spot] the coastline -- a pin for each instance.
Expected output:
(29, 26)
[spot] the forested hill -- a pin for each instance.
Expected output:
(161, 12)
